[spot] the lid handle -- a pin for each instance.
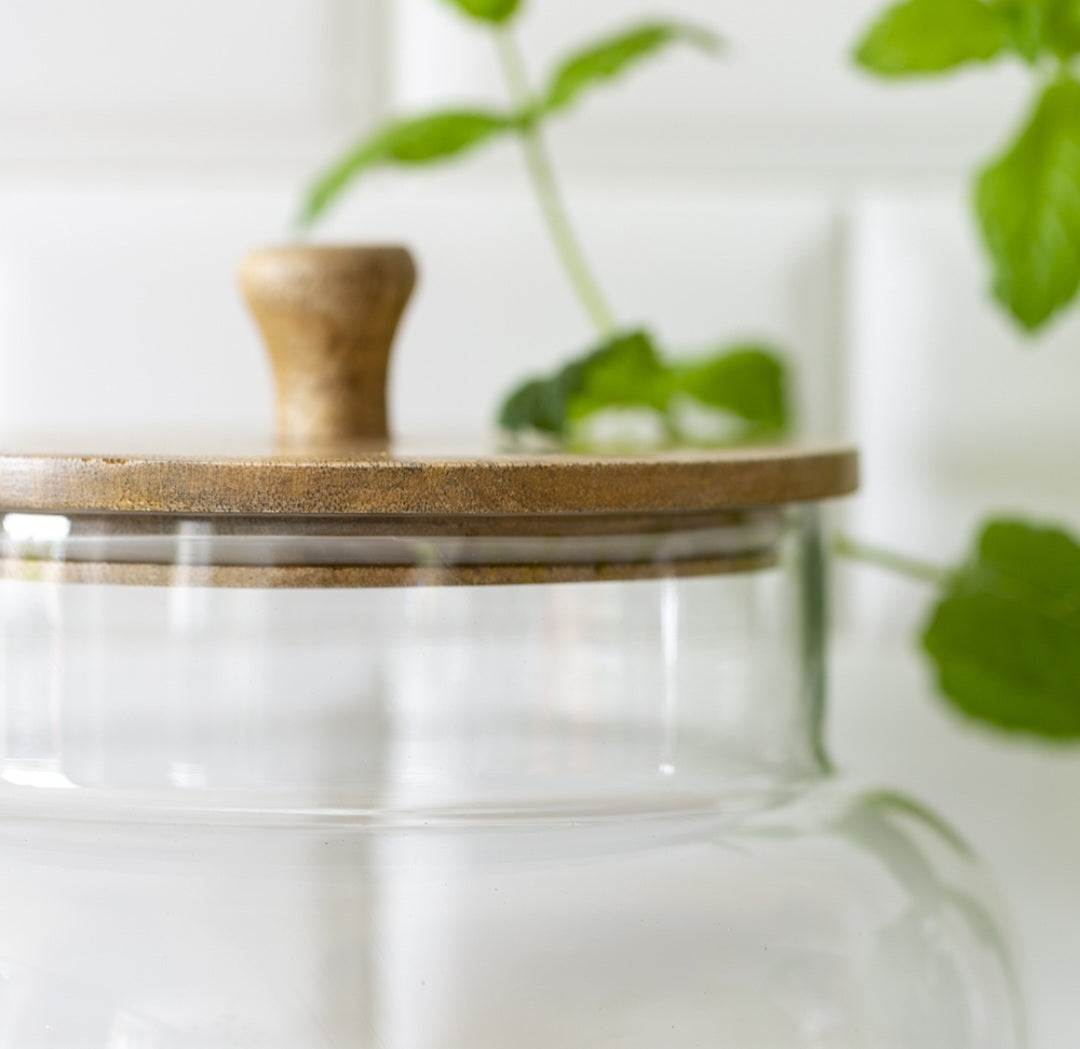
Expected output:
(328, 317)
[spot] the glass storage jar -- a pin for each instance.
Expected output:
(345, 744)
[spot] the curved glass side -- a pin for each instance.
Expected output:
(679, 689)
(840, 919)
(430, 816)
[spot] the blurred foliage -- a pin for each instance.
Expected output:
(626, 369)
(1027, 200)
(1005, 633)
(488, 10)
(747, 383)
(932, 36)
(436, 137)
(406, 143)
(614, 55)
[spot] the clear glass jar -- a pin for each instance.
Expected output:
(443, 810)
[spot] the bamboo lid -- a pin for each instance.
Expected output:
(328, 316)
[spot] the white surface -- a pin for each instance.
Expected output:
(1011, 801)
(774, 192)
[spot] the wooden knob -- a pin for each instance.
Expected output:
(328, 317)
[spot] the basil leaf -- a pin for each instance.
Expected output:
(421, 140)
(1062, 26)
(1028, 204)
(628, 372)
(613, 55)
(931, 36)
(1005, 636)
(488, 10)
(1037, 27)
(534, 405)
(624, 371)
(1025, 27)
(748, 381)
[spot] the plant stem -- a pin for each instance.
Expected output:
(891, 561)
(547, 191)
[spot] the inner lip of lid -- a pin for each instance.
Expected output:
(313, 551)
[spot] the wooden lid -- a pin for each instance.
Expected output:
(400, 482)
(329, 316)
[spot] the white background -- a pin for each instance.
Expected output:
(776, 193)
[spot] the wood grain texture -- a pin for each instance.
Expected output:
(328, 317)
(382, 482)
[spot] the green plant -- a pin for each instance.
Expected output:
(1027, 199)
(1005, 627)
(743, 386)
(1004, 631)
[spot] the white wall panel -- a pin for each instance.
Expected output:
(195, 81)
(118, 309)
(121, 56)
(957, 414)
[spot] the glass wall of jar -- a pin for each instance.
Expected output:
(314, 782)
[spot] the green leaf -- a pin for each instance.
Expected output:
(1005, 636)
(624, 371)
(1039, 27)
(535, 405)
(748, 381)
(627, 372)
(1025, 27)
(418, 141)
(613, 55)
(1062, 26)
(919, 37)
(488, 10)
(1028, 204)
